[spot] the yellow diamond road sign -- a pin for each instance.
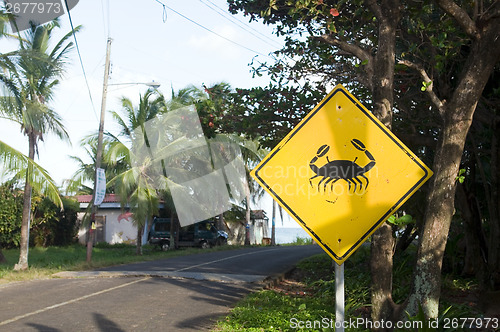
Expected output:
(340, 173)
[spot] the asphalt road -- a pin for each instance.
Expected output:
(180, 294)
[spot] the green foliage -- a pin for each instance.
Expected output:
(131, 182)
(461, 177)
(17, 165)
(51, 225)
(401, 221)
(269, 113)
(302, 23)
(272, 310)
(425, 85)
(300, 241)
(11, 206)
(452, 318)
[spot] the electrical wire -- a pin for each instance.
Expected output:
(207, 29)
(222, 12)
(80, 57)
(231, 18)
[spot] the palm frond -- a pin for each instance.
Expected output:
(20, 165)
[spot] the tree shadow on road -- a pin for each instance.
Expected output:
(218, 296)
(212, 292)
(106, 325)
(43, 328)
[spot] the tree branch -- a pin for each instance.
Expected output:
(347, 47)
(375, 8)
(352, 49)
(429, 85)
(492, 12)
(461, 16)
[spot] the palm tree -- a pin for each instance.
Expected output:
(173, 151)
(252, 154)
(86, 171)
(33, 72)
(215, 102)
(184, 97)
(134, 185)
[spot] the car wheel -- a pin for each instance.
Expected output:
(205, 245)
(165, 246)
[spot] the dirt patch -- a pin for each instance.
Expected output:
(293, 284)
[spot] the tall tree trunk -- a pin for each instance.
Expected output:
(457, 118)
(138, 249)
(220, 222)
(25, 221)
(172, 230)
(440, 210)
(382, 246)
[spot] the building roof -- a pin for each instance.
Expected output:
(109, 198)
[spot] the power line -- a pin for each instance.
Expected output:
(240, 24)
(80, 57)
(207, 29)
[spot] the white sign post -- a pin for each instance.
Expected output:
(339, 297)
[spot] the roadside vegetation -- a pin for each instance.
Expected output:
(300, 241)
(307, 294)
(44, 262)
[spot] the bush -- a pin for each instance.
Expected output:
(51, 226)
(11, 208)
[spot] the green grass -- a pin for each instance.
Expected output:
(43, 262)
(271, 310)
(299, 241)
(274, 310)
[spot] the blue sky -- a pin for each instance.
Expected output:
(174, 52)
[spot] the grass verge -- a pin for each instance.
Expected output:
(44, 262)
(307, 297)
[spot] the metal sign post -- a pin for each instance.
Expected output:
(339, 297)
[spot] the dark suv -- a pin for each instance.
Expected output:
(203, 234)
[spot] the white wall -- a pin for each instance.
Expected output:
(117, 230)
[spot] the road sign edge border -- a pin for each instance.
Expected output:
(427, 172)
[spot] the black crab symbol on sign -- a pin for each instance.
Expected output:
(345, 170)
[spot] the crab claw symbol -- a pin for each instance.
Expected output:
(358, 144)
(322, 150)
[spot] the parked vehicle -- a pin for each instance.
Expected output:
(203, 234)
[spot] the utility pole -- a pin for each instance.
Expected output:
(98, 158)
